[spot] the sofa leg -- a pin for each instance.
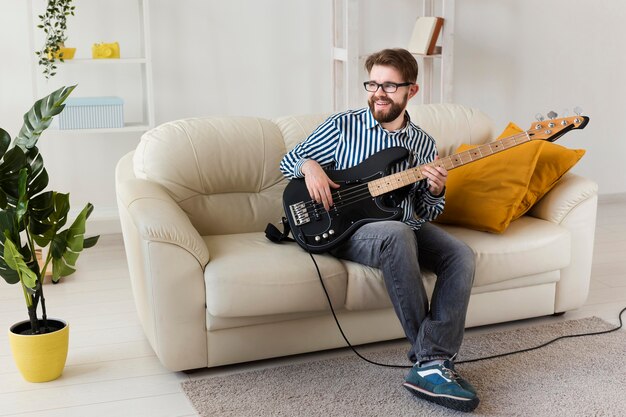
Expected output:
(560, 313)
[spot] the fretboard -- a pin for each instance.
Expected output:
(410, 176)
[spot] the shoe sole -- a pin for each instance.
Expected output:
(456, 403)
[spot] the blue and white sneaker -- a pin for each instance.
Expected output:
(440, 384)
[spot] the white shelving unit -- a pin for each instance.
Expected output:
(139, 67)
(347, 60)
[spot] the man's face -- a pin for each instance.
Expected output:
(387, 107)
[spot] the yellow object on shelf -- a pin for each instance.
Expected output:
(68, 53)
(105, 50)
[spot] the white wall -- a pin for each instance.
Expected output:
(513, 58)
(516, 58)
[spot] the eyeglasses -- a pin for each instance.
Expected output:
(388, 87)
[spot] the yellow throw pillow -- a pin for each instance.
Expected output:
(485, 194)
(490, 193)
(553, 162)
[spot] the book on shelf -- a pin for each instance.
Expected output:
(425, 34)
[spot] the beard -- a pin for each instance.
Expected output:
(392, 113)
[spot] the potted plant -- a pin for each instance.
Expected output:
(54, 25)
(31, 217)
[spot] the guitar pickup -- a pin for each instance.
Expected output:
(299, 213)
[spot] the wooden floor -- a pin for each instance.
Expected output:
(112, 371)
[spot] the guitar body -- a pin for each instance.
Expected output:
(318, 230)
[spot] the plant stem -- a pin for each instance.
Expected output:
(34, 323)
(32, 308)
(43, 276)
(27, 296)
(44, 315)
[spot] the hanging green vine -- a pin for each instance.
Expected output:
(54, 25)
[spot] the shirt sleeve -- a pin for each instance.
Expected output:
(320, 146)
(426, 205)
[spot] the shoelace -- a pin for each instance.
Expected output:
(451, 374)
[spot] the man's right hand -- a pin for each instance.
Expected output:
(318, 183)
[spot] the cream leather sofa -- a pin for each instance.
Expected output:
(210, 289)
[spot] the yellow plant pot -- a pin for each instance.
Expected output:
(40, 357)
(68, 53)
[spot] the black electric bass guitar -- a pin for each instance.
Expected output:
(368, 194)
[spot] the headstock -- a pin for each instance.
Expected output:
(552, 128)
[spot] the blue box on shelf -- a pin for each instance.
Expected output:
(92, 113)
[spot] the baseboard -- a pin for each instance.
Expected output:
(611, 198)
(105, 222)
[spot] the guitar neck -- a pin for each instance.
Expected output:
(410, 176)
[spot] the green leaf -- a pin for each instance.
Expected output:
(67, 245)
(14, 160)
(90, 241)
(41, 207)
(8, 223)
(38, 177)
(39, 117)
(5, 141)
(60, 269)
(50, 213)
(22, 201)
(15, 261)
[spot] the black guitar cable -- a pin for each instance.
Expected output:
(457, 362)
(332, 310)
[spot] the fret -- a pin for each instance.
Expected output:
(413, 175)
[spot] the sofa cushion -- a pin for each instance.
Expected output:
(222, 171)
(529, 247)
(452, 124)
(295, 129)
(247, 275)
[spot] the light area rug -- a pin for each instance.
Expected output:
(584, 376)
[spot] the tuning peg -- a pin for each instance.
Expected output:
(564, 113)
(539, 117)
(578, 111)
(552, 114)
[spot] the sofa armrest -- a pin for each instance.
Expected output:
(571, 191)
(572, 203)
(166, 259)
(158, 218)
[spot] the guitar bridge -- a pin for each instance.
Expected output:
(299, 213)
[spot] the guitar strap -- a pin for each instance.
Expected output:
(273, 234)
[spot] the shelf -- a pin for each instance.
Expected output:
(116, 61)
(130, 127)
(130, 77)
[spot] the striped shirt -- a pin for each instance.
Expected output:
(348, 138)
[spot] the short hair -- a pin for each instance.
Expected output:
(400, 59)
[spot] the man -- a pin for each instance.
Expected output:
(400, 248)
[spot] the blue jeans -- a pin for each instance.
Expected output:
(435, 331)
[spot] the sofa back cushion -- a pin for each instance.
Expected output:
(222, 171)
(452, 125)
